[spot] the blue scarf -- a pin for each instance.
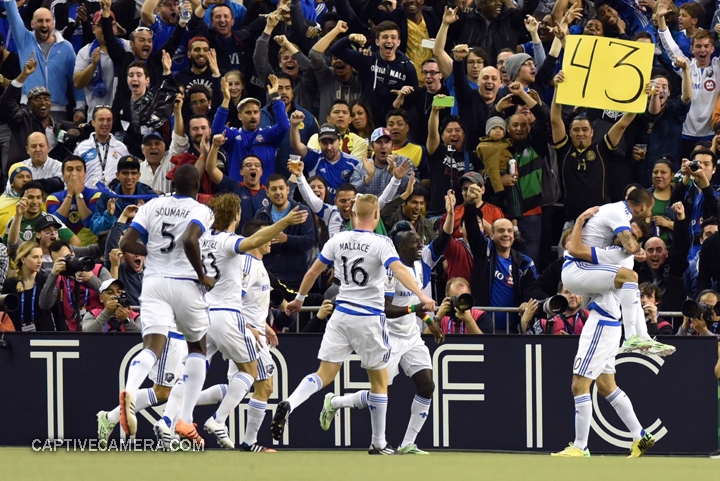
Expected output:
(97, 85)
(115, 195)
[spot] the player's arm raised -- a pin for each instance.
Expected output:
(191, 246)
(407, 280)
(263, 236)
(575, 245)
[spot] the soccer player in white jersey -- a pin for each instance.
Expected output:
(357, 323)
(167, 231)
(595, 359)
(402, 308)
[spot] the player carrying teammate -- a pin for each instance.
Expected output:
(358, 322)
(408, 348)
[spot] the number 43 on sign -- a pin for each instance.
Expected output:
(606, 73)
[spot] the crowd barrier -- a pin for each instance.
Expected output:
(496, 393)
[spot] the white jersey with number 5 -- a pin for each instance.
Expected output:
(255, 291)
(222, 260)
(601, 229)
(162, 222)
(361, 258)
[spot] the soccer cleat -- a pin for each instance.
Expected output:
(164, 435)
(411, 449)
(660, 349)
(256, 448)
(636, 343)
(128, 420)
(279, 419)
(220, 432)
(641, 446)
(572, 452)
(715, 455)
(189, 431)
(328, 412)
(105, 428)
(387, 450)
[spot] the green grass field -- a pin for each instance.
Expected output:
(20, 464)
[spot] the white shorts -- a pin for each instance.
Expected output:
(265, 363)
(599, 343)
(410, 353)
(227, 333)
(163, 299)
(169, 366)
(587, 279)
(366, 335)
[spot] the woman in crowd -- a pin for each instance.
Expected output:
(236, 84)
(662, 215)
(361, 116)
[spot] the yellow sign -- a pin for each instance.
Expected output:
(606, 73)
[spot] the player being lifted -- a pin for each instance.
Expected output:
(358, 322)
(402, 307)
(167, 231)
(598, 346)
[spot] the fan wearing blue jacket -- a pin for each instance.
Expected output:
(385, 71)
(55, 57)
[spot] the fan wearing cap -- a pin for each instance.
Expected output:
(20, 175)
(110, 207)
(251, 138)
(75, 205)
(490, 212)
(372, 176)
(33, 220)
(102, 150)
(112, 317)
(494, 152)
(94, 70)
(55, 57)
(331, 163)
(308, 128)
(155, 167)
(350, 142)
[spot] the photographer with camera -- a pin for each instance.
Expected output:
(569, 321)
(456, 315)
(700, 317)
(650, 299)
(75, 281)
(116, 316)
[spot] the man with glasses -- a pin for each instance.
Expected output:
(102, 150)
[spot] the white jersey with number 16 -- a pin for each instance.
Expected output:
(361, 258)
(162, 222)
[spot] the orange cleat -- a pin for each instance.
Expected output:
(189, 431)
(128, 420)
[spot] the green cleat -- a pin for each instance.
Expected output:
(641, 446)
(572, 452)
(105, 428)
(660, 349)
(328, 412)
(636, 343)
(411, 449)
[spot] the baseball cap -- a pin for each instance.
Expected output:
(45, 221)
(380, 132)
(109, 282)
(98, 15)
(128, 162)
(152, 135)
(198, 38)
(37, 92)
(328, 131)
(244, 101)
(473, 177)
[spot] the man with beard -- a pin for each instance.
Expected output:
(141, 49)
(253, 195)
(102, 150)
(162, 25)
(203, 67)
(308, 128)
(409, 207)
(386, 70)
(350, 142)
(128, 268)
(55, 56)
(474, 105)
(337, 81)
(154, 169)
(373, 175)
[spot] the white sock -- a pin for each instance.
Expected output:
(357, 400)
(418, 413)
(144, 399)
(628, 300)
(377, 403)
(239, 386)
(583, 417)
(619, 400)
(640, 323)
(174, 403)
(307, 387)
(212, 395)
(139, 369)
(114, 415)
(255, 414)
(194, 377)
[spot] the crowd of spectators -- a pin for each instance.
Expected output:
(302, 102)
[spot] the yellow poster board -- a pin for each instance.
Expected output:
(606, 73)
